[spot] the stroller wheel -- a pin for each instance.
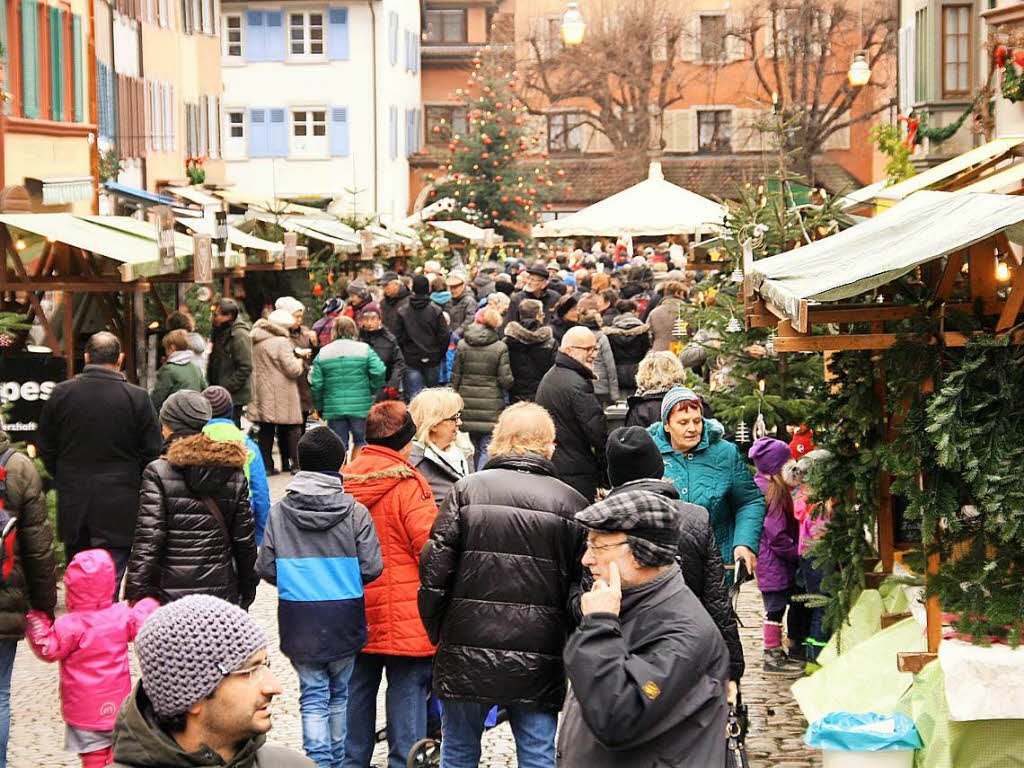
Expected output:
(425, 753)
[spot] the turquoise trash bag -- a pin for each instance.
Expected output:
(863, 732)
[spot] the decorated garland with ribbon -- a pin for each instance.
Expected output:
(1012, 85)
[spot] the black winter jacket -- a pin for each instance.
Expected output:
(631, 340)
(32, 582)
(97, 433)
(422, 332)
(567, 392)
(548, 298)
(386, 346)
(479, 374)
(180, 548)
(701, 565)
(645, 409)
(461, 312)
(498, 575)
(531, 353)
(559, 325)
(389, 307)
(648, 685)
(230, 364)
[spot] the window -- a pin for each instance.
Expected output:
(565, 132)
(309, 132)
(236, 124)
(920, 55)
(802, 32)
(444, 122)
(232, 35)
(712, 38)
(714, 131)
(956, 50)
(306, 34)
(448, 26)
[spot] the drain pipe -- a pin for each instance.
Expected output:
(376, 133)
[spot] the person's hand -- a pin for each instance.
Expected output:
(602, 597)
(747, 556)
(757, 351)
(731, 692)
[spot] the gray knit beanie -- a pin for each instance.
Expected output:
(186, 410)
(187, 647)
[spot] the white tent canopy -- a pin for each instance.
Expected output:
(653, 207)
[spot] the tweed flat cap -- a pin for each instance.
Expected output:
(650, 522)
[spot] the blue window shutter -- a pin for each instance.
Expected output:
(255, 36)
(393, 132)
(337, 33)
(278, 133)
(393, 38)
(415, 52)
(77, 63)
(29, 59)
(419, 129)
(339, 131)
(275, 36)
(258, 133)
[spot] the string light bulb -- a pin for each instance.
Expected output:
(1002, 272)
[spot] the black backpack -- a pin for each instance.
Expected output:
(8, 523)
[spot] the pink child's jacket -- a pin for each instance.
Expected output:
(812, 522)
(90, 642)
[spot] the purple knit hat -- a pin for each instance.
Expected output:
(769, 455)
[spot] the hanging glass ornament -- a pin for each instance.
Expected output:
(769, 345)
(760, 428)
(742, 433)
(737, 275)
(734, 326)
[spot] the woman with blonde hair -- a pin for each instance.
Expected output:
(657, 373)
(437, 452)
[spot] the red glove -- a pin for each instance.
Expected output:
(391, 393)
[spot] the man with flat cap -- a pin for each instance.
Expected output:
(647, 665)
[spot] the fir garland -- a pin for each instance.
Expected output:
(936, 135)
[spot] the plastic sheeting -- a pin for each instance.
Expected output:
(923, 228)
(976, 681)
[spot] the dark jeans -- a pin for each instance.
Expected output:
(816, 637)
(8, 648)
(417, 377)
(462, 725)
(481, 444)
(287, 444)
(405, 702)
(119, 555)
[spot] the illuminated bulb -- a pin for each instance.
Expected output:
(155, 325)
(760, 385)
(51, 239)
(1002, 272)
(20, 245)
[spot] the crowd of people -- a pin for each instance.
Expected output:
(460, 518)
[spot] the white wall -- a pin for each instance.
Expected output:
(294, 84)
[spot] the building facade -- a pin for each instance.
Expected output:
(159, 90)
(709, 137)
(46, 126)
(322, 99)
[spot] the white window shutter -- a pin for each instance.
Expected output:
(735, 47)
(676, 130)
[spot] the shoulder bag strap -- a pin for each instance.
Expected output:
(219, 517)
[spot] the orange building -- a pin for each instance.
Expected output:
(709, 142)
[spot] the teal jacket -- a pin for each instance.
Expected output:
(346, 377)
(714, 476)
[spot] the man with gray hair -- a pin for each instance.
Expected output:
(97, 433)
(205, 693)
(567, 391)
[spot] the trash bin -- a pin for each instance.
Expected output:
(864, 740)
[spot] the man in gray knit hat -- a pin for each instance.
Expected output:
(648, 666)
(205, 694)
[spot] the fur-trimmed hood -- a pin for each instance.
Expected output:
(378, 471)
(627, 325)
(206, 463)
(264, 329)
(526, 336)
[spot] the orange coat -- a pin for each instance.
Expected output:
(402, 505)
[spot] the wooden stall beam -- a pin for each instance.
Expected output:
(69, 332)
(51, 337)
(866, 313)
(982, 271)
(886, 521)
(840, 343)
(1008, 317)
(79, 285)
(954, 263)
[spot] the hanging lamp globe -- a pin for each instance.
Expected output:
(860, 72)
(573, 26)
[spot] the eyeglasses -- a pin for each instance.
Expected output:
(600, 547)
(456, 418)
(258, 671)
(591, 350)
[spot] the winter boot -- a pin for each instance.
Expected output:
(776, 662)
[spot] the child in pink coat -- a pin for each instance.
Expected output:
(91, 644)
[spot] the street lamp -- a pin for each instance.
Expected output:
(573, 25)
(860, 71)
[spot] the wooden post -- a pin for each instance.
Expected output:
(886, 523)
(983, 271)
(69, 332)
(933, 610)
(138, 332)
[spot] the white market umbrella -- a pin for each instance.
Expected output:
(652, 207)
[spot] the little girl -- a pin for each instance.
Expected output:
(812, 522)
(91, 644)
(777, 555)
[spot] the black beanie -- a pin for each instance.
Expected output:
(420, 285)
(397, 440)
(320, 450)
(633, 455)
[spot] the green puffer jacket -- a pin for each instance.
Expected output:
(714, 476)
(480, 372)
(33, 580)
(346, 376)
(179, 372)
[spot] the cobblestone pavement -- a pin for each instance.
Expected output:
(37, 731)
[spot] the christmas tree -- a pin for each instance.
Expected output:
(485, 168)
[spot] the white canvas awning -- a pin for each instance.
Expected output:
(862, 195)
(925, 227)
(654, 207)
(462, 229)
(194, 195)
(236, 236)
